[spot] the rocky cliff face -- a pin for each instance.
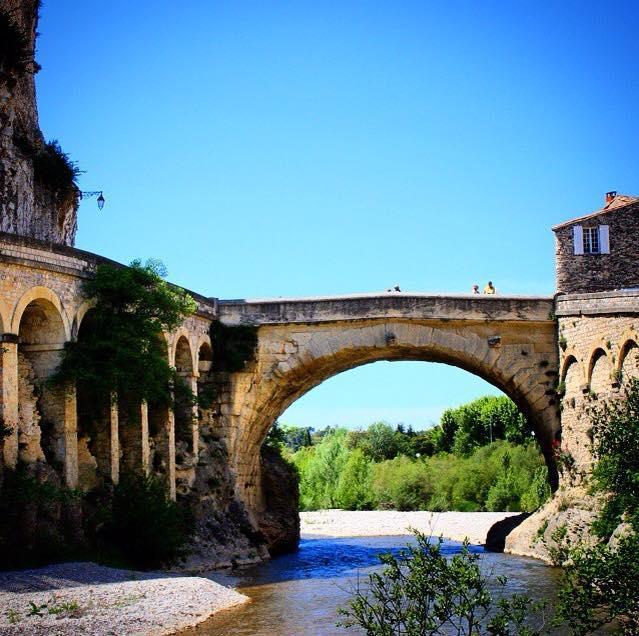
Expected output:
(30, 204)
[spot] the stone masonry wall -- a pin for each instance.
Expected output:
(583, 273)
(598, 351)
(27, 207)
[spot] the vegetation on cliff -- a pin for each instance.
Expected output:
(482, 456)
(16, 56)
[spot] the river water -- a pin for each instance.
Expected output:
(298, 594)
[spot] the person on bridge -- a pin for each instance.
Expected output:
(490, 288)
(475, 289)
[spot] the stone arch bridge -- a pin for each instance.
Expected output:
(509, 341)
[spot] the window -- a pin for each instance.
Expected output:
(591, 240)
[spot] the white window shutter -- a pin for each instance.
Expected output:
(604, 239)
(578, 239)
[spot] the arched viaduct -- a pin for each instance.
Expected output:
(515, 343)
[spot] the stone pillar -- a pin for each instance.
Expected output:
(170, 472)
(70, 437)
(9, 406)
(115, 438)
(195, 423)
(144, 431)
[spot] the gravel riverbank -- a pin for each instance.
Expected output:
(369, 523)
(85, 598)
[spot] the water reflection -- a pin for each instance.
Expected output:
(300, 593)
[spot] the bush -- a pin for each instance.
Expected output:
(54, 169)
(143, 525)
(402, 484)
(353, 487)
(233, 346)
(420, 592)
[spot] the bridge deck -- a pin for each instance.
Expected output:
(390, 305)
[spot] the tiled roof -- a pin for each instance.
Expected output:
(620, 201)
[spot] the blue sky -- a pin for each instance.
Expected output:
(282, 149)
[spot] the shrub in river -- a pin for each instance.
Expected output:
(421, 592)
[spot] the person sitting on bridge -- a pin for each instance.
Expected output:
(490, 288)
(475, 289)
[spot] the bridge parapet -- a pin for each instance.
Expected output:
(391, 305)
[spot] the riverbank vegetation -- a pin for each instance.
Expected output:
(421, 592)
(120, 354)
(482, 456)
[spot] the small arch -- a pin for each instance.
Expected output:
(35, 294)
(42, 408)
(592, 361)
(183, 356)
(177, 336)
(628, 363)
(599, 371)
(204, 355)
(79, 317)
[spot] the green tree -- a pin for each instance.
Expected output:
(121, 345)
(354, 487)
(381, 442)
(320, 471)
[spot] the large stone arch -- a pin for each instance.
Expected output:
(35, 294)
(46, 412)
(291, 360)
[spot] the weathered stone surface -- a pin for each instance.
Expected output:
(280, 521)
(27, 207)
(598, 351)
(303, 342)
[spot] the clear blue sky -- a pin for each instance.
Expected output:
(280, 149)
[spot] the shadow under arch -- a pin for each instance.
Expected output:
(520, 379)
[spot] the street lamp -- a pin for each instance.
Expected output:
(95, 193)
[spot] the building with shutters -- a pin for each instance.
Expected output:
(600, 251)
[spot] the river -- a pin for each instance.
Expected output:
(298, 594)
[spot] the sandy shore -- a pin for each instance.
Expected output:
(85, 598)
(451, 525)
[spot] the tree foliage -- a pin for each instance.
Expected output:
(121, 346)
(142, 525)
(378, 467)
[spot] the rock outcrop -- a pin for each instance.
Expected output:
(30, 203)
(280, 523)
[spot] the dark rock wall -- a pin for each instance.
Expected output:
(27, 207)
(280, 523)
